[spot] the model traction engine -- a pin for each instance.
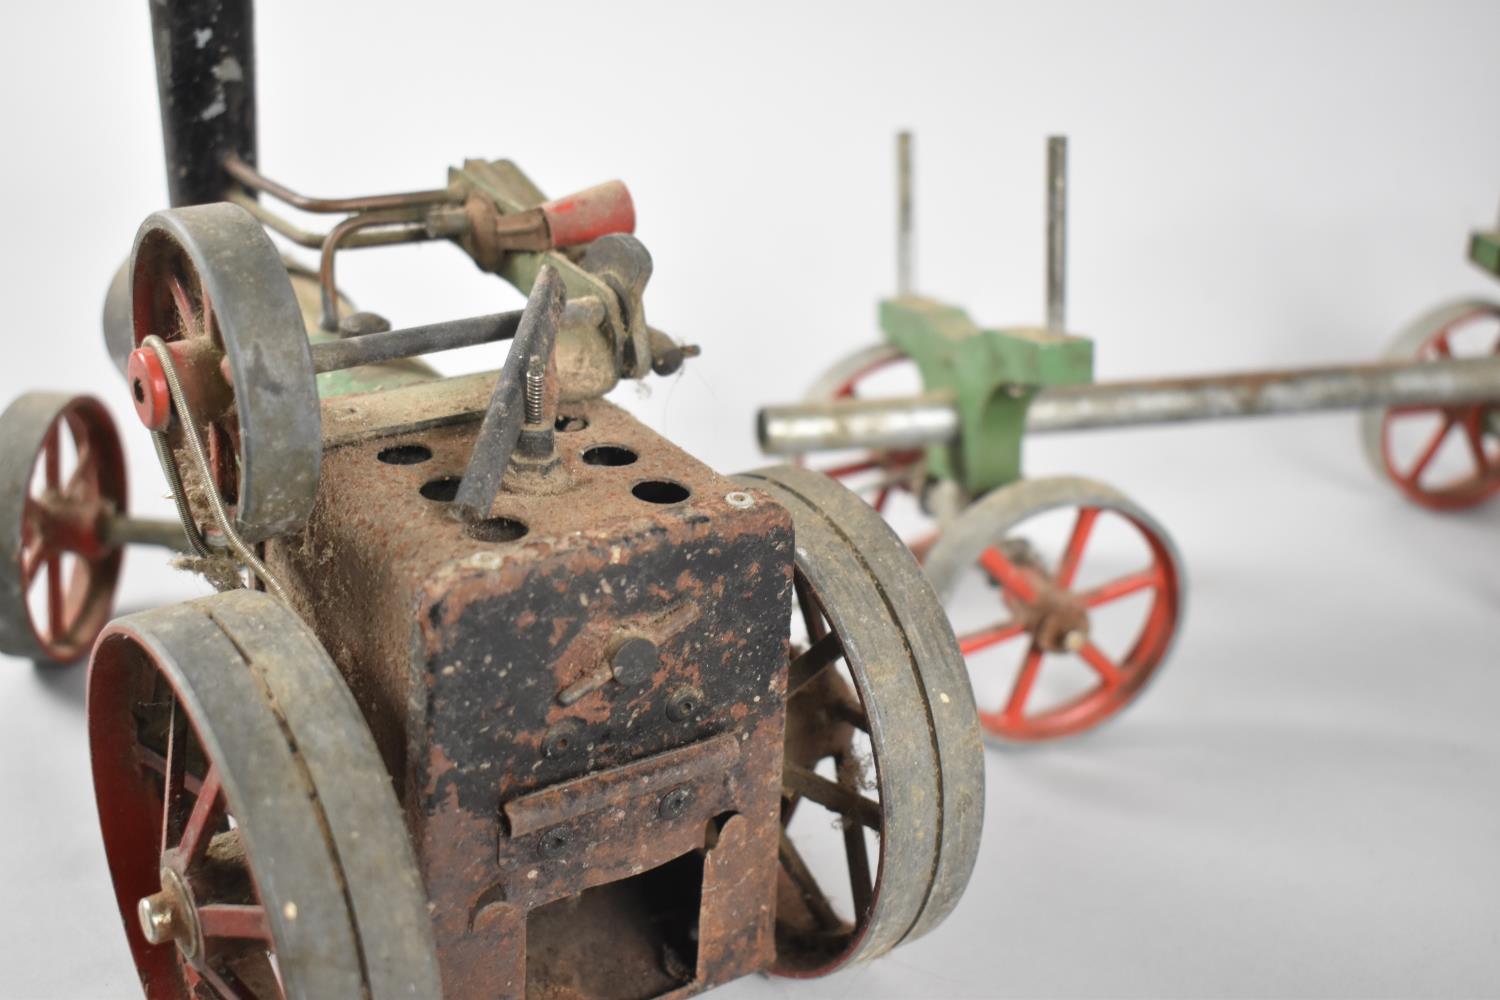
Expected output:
(502, 694)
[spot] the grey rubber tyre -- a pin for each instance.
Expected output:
(211, 271)
(856, 581)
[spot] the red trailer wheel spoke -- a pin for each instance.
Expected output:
(1007, 575)
(1067, 570)
(1123, 587)
(1015, 705)
(981, 639)
(1426, 463)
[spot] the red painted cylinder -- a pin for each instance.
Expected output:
(148, 389)
(589, 214)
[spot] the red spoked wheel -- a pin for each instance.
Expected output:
(254, 841)
(875, 475)
(62, 482)
(1066, 597)
(1441, 457)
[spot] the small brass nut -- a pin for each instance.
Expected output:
(675, 803)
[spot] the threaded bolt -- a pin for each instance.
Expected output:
(536, 390)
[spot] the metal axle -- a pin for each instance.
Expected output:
(915, 421)
(393, 345)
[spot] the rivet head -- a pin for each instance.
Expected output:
(562, 739)
(635, 661)
(554, 841)
(739, 500)
(686, 703)
(675, 803)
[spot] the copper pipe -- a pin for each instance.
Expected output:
(253, 179)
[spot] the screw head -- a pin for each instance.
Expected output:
(675, 803)
(635, 661)
(685, 704)
(562, 739)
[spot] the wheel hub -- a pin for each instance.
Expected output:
(169, 915)
(1057, 620)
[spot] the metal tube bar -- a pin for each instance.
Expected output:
(411, 342)
(908, 422)
(903, 214)
(1057, 233)
(932, 419)
(253, 179)
(1251, 394)
(140, 531)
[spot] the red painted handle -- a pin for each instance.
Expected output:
(594, 212)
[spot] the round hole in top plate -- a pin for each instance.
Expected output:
(660, 491)
(442, 489)
(404, 454)
(497, 529)
(609, 454)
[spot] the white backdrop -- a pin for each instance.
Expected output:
(1305, 804)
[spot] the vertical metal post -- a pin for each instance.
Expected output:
(903, 214)
(205, 78)
(1057, 233)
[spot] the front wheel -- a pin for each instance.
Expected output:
(1066, 597)
(254, 840)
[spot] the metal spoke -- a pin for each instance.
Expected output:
(1103, 665)
(197, 831)
(1475, 436)
(856, 851)
(993, 635)
(55, 626)
(812, 662)
(1124, 586)
(173, 774)
(1067, 569)
(52, 458)
(1425, 459)
(802, 878)
(234, 920)
(185, 311)
(1015, 707)
(1005, 573)
(798, 780)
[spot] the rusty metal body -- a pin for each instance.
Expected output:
(566, 848)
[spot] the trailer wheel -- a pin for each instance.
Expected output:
(62, 478)
(881, 734)
(874, 475)
(254, 840)
(1441, 457)
(1066, 597)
